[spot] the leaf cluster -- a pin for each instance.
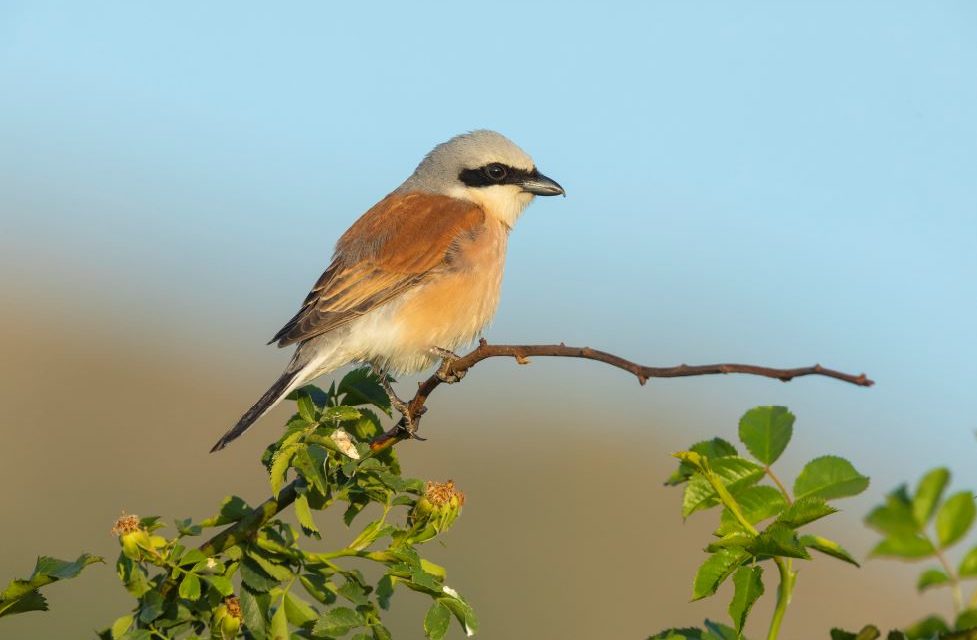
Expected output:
(924, 525)
(760, 519)
(265, 579)
(23, 595)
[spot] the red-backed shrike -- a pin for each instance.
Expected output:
(418, 275)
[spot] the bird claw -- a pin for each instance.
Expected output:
(408, 423)
(444, 372)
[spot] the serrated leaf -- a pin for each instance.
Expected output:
(719, 631)
(336, 622)
(360, 386)
(255, 578)
(757, 503)
(715, 448)
(907, 547)
(298, 611)
(828, 547)
(928, 493)
(385, 590)
(436, 621)
(304, 515)
(748, 586)
(734, 472)
(766, 431)
(278, 629)
(778, 540)
(254, 611)
(190, 587)
(805, 510)
(355, 593)
(280, 572)
(220, 584)
(306, 407)
(715, 570)
(829, 477)
(461, 610)
(954, 518)
(931, 578)
(280, 464)
(21, 596)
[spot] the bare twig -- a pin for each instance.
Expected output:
(485, 350)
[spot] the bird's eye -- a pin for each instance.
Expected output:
(496, 172)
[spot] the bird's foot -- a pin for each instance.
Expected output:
(444, 372)
(408, 423)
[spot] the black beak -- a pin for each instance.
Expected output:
(540, 185)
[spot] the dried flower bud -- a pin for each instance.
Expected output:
(127, 523)
(435, 511)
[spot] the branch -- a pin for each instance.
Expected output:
(461, 365)
(250, 524)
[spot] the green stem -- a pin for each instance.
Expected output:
(954, 579)
(780, 485)
(784, 591)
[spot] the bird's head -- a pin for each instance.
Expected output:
(484, 167)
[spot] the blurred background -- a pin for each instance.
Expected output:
(776, 183)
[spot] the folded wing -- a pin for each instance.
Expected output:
(399, 243)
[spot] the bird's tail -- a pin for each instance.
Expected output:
(310, 361)
(282, 387)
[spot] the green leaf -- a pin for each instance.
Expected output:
(906, 547)
(190, 587)
(928, 493)
(805, 510)
(120, 626)
(255, 578)
(828, 547)
(766, 431)
(968, 566)
(461, 610)
(254, 611)
(360, 386)
(385, 589)
(278, 629)
(734, 472)
(715, 570)
(931, 578)
(966, 620)
(926, 628)
(436, 621)
(778, 540)
(232, 509)
(718, 631)
(757, 503)
(748, 582)
(220, 584)
(304, 515)
(298, 611)
(280, 464)
(336, 622)
(829, 477)
(868, 632)
(273, 568)
(355, 593)
(895, 517)
(715, 448)
(22, 596)
(954, 518)
(306, 407)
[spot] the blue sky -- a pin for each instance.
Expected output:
(779, 183)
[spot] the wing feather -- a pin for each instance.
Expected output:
(396, 245)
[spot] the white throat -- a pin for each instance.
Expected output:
(505, 203)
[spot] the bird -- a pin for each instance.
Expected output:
(416, 276)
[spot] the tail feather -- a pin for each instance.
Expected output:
(279, 390)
